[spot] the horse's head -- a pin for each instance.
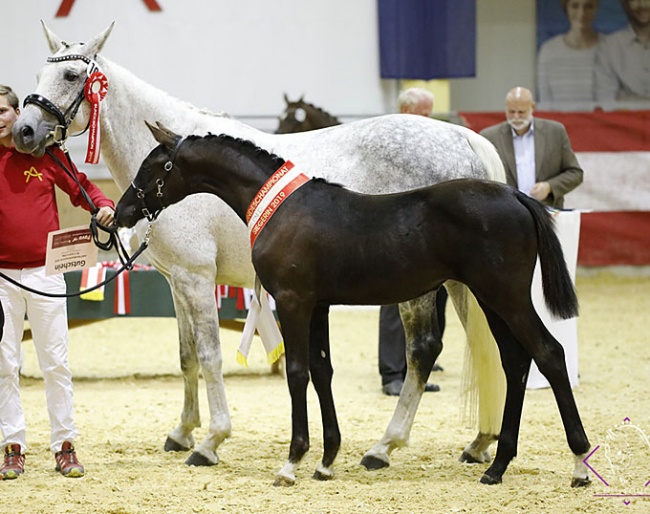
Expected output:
(293, 118)
(58, 104)
(300, 116)
(146, 197)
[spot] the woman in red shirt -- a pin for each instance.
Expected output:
(28, 211)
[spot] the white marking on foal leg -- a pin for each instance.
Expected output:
(323, 473)
(287, 475)
(580, 471)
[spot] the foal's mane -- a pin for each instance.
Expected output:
(250, 150)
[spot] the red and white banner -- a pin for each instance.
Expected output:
(614, 150)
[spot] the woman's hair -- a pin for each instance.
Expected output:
(565, 3)
(11, 96)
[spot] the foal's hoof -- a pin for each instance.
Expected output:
(198, 459)
(371, 463)
(173, 446)
(488, 480)
(323, 474)
(472, 459)
(580, 482)
(282, 481)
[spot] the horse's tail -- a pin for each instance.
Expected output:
(559, 292)
(487, 153)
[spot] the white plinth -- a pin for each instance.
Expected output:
(565, 331)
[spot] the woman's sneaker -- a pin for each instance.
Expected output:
(67, 463)
(14, 464)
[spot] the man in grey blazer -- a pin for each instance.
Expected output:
(536, 153)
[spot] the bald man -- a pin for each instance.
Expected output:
(536, 153)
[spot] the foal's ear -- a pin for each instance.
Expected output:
(163, 135)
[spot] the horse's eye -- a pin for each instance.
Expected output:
(70, 76)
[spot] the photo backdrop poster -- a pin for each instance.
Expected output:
(590, 57)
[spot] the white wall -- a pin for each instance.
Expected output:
(506, 54)
(241, 56)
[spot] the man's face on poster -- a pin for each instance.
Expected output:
(638, 12)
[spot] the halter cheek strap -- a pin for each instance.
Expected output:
(141, 193)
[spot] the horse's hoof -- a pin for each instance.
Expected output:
(488, 480)
(282, 481)
(471, 459)
(198, 459)
(321, 476)
(580, 482)
(372, 463)
(173, 446)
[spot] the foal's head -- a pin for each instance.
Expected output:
(145, 197)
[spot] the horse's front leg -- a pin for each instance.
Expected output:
(295, 319)
(423, 345)
(181, 438)
(320, 366)
(483, 379)
(195, 294)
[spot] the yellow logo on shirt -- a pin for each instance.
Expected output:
(32, 172)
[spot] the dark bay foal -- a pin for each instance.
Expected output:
(326, 245)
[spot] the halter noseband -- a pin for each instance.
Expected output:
(64, 118)
(158, 184)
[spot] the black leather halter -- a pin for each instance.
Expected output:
(64, 118)
(158, 184)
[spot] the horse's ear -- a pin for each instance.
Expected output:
(301, 99)
(286, 99)
(96, 44)
(163, 135)
(53, 40)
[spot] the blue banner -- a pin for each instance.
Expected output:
(427, 39)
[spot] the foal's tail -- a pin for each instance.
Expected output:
(559, 292)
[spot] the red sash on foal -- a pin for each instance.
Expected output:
(275, 190)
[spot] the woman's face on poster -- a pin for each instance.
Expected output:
(581, 13)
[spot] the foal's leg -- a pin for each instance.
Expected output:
(484, 384)
(320, 367)
(550, 359)
(295, 319)
(516, 363)
(423, 345)
(534, 338)
(195, 294)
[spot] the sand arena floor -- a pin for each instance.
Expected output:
(128, 395)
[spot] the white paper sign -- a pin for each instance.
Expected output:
(70, 249)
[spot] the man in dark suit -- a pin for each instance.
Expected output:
(536, 153)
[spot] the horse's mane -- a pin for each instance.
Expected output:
(251, 150)
(163, 96)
